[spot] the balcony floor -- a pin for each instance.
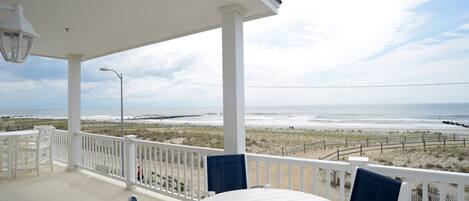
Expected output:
(71, 186)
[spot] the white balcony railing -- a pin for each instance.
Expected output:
(179, 171)
(102, 154)
(174, 170)
(60, 145)
(305, 175)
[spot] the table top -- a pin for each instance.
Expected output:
(19, 133)
(258, 194)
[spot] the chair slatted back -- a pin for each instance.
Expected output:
(45, 134)
(226, 173)
(370, 186)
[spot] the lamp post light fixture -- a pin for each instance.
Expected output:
(16, 34)
(120, 76)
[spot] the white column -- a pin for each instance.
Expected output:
(233, 79)
(74, 92)
(129, 161)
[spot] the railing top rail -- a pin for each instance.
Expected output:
(205, 150)
(121, 139)
(333, 165)
(422, 174)
(61, 131)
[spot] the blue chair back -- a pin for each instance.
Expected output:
(369, 186)
(226, 173)
(133, 198)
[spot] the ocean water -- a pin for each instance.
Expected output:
(375, 117)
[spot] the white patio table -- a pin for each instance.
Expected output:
(264, 194)
(11, 137)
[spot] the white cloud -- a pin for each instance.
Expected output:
(311, 36)
(29, 94)
(465, 26)
(308, 43)
(306, 38)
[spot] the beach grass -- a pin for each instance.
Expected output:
(307, 143)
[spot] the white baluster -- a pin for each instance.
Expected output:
(166, 169)
(148, 160)
(120, 159)
(114, 157)
(267, 172)
(192, 175)
(178, 182)
(302, 180)
(279, 175)
(289, 177)
(461, 192)
(342, 186)
(155, 155)
(160, 153)
(204, 171)
(172, 170)
(257, 172)
(90, 153)
(198, 176)
(442, 191)
(146, 164)
(152, 169)
(94, 153)
(328, 183)
(108, 156)
(185, 174)
(84, 156)
(315, 172)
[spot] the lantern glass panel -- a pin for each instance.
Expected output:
(24, 47)
(10, 44)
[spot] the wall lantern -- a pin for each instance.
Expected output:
(16, 34)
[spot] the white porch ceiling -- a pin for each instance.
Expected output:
(102, 27)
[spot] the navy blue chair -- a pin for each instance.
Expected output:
(133, 198)
(370, 186)
(226, 173)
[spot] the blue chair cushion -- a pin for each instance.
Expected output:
(369, 186)
(226, 173)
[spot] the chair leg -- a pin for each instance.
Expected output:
(9, 159)
(50, 160)
(16, 160)
(26, 155)
(37, 161)
(1, 159)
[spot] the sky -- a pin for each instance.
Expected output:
(309, 43)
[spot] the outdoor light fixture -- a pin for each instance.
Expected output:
(16, 34)
(121, 77)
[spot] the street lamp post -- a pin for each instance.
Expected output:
(121, 77)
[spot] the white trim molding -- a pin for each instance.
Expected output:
(273, 5)
(232, 8)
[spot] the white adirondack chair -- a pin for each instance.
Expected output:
(38, 147)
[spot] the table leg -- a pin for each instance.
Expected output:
(10, 159)
(15, 153)
(1, 155)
